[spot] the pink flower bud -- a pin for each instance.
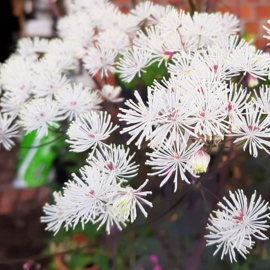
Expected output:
(167, 56)
(252, 81)
(153, 258)
(200, 161)
(28, 265)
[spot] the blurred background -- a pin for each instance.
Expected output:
(172, 237)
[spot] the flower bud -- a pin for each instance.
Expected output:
(200, 161)
(252, 81)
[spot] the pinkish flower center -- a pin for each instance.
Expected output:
(202, 113)
(253, 128)
(109, 166)
(168, 56)
(173, 115)
(176, 156)
(240, 217)
(73, 103)
(200, 90)
(90, 194)
(229, 106)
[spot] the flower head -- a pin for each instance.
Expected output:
(39, 114)
(89, 130)
(199, 162)
(233, 227)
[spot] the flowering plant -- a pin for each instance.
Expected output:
(202, 104)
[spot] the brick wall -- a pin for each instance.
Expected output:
(253, 13)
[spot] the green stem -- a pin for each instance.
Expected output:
(199, 42)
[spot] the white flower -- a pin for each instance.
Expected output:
(114, 39)
(199, 161)
(111, 93)
(48, 83)
(28, 47)
(253, 131)
(133, 63)
(89, 130)
(140, 117)
(210, 99)
(100, 59)
(171, 23)
(39, 114)
(75, 99)
(263, 100)
(211, 61)
(229, 22)
(115, 162)
(153, 42)
(142, 12)
(173, 159)
(82, 200)
(176, 119)
(11, 105)
(89, 192)
(233, 227)
(56, 214)
(18, 86)
(183, 64)
(248, 60)
(128, 198)
(158, 12)
(60, 55)
(7, 131)
(268, 31)
(237, 101)
(203, 26)
(82, 35)
(175, 42)
(110, 216)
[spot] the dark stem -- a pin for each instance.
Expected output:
(44, 144)
(54, 9)
(207, 6)
(98, 84)
(192, 7)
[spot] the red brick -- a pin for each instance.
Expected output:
(124, 10)
(7, 200)
(252, 27)
(261, 42)
(28, 194)
(245, 12)
(263, 12)
(6, 209)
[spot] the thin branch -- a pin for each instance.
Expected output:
(55, 9)
(44, 144)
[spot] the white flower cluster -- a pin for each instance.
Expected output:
(200, 101)
(99, 195)
(232, 227)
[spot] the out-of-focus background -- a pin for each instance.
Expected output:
(23, 242)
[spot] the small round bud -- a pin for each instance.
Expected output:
(200, 161)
